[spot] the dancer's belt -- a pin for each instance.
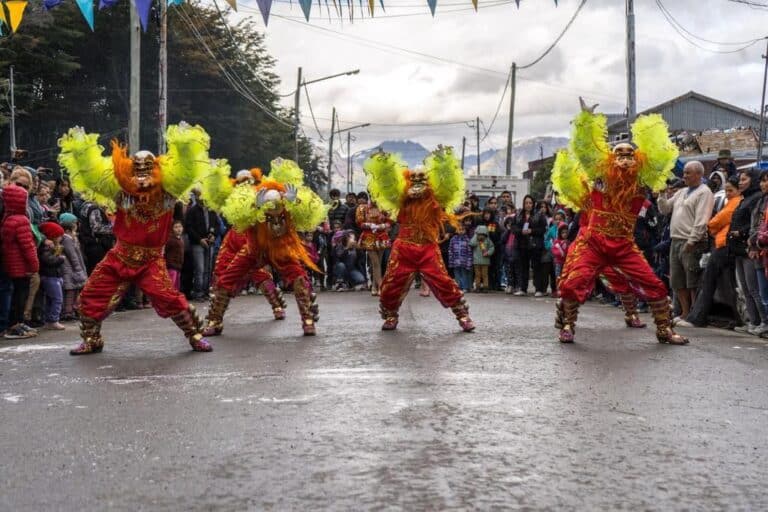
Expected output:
(613, 224)
(137, 255)
(414, 235)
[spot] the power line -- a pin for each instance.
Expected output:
(753, 5)
(682, 33)
(231, 78)
(239, 51)
(498, 108)
(557, 40)
(309, 102)
(669, 16)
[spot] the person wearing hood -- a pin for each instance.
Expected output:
(738, 246)
(716, 183)
(482, 252)
(20, 260)
(691, 209)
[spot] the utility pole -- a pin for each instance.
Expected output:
(477, 131)
(330, 150)
(349, 162)
(463, 149)
(162, 79)
(631, 84)
(13, 117)
(760, 135)
(135, 84)
(513, 78)
(296, 99)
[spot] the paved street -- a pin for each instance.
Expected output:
(357, 419)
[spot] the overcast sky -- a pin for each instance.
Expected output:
(395, 87)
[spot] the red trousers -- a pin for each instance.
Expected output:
(223, 261)
(111, 278)
(618, 258)
(245, 266)
(405, 260)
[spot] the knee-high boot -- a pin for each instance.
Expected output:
(631, 317)
(306, 300)
(565, 319)
(662, 315)
(90, 332)
(214, 321)
(275, 298)
(461, 310)
(192, 327)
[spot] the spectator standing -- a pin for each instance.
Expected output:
(202, 227)
(725, 163)
(560, 248)
(73, 270)
(63, 196)
(738, 245)
(174, 253)
(460, 259)
(20, 260)
(51, 263)
(508, 245)
(488, 218)
(691, 209)
(716, 183)
(337, 213)
(720, 261)
(482, 251)
(530, 226)
(95, 231)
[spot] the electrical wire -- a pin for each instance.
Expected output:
(309, 102)
(557, 40)
(240, 52)
(498, 108)
(669, 16)
(682, 33)
(753, 5)
(231, 78)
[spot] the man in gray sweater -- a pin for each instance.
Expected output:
(691, 209)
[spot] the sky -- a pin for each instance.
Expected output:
(397, 87)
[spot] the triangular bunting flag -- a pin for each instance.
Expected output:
(517, 2)
(86, 7)
(233, 4)
(371, 3)
(382, 5)
(175, 2)
(265, 6)
(306, 6)
(474, 3)
(432, 6)
(106, 4)
(143, 7)
(16, 12)
(2, 16)
(50, 4)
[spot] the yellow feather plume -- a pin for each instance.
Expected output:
(658, 154)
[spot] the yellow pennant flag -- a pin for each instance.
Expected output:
(233, 4)
(370, 7)
(474, 2)
(16, 12)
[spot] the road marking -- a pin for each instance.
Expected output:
(20, 349)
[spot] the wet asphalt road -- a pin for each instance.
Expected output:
(427, 418)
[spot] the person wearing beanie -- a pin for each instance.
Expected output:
(51, 262)
(73, 270)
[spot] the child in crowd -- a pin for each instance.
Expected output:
(560, 248)
(73, 271)
(508, 243)
(460, 255)
(174, 253)
(483, 249)
(51, 262)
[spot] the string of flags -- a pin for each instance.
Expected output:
(12, 11)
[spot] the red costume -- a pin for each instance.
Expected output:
(142, 227)
(422, 217)
(611, 204)
(233, 242)
(374, 238)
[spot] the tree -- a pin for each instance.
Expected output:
(219, 76)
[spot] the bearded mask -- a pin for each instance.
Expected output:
(624, 156)
(143, 168)
(418, 184)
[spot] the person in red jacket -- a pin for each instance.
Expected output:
(19, 256)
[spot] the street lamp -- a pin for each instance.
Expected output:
(330, 146)
(297, 98)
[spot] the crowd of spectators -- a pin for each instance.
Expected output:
(705, 236)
